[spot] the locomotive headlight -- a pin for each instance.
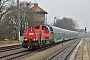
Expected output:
(25, 39)
(34, 39)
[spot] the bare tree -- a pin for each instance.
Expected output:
(24, 16)
(1, 31)
(10, 21)
(5, 10)
(4, 7)
(66, 23)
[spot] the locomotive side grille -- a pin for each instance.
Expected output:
(46, 37)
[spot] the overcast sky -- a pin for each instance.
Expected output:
(79, 10)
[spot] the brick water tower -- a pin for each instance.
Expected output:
(37, 16)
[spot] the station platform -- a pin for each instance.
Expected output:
(82, 51)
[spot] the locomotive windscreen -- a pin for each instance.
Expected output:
(43, 27)
(51, 29)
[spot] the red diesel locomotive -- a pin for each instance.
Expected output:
(38, 37)
(44, 35)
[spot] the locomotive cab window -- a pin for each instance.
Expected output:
(37, 27)
(43, 27)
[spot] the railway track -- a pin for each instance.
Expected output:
(63, 53)
(8, 48)
(7, 53)
(19, 53)
(13, 54)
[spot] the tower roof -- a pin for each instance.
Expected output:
(36, 8)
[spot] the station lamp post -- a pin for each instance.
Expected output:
(86, 27)
(55, 19)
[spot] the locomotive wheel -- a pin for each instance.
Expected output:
(51, 42)
(24, 44)
(44, 43)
